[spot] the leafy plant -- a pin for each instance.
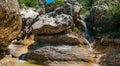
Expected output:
(87, 4)
(112, 20)
(29, 3)
(58, 2)
(77, 30)
(113, 15)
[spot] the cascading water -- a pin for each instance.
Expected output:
(87, 35)
(23, 62)
(23, 56)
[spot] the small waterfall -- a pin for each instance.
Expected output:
(23, 57)
(22, 61)
(86, 34)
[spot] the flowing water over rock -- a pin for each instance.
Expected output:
(87, 35)
(23, 62)
(88, 38)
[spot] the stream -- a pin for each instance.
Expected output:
(25, 63)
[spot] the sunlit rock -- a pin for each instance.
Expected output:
(10, 22)
(59, 53)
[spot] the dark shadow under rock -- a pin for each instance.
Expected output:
(62, 38)
(3, 53)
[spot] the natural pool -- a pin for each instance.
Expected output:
(25, 63)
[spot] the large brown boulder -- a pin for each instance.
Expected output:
(10, 22)
(58, 53)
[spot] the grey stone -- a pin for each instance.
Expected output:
(63, 38)
(48, 54)
(51, 25)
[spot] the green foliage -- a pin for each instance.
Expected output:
(58, 2)
(69, 30)
(111, 25)
(87, 4)
(113, 15)
(77, 30)
(29, 3)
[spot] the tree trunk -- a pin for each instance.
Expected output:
(10, 21)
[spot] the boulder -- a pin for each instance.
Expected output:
(62, 38)
(98, 12)
(97, 16)
(16, 48)
(51, 25)
(48, 54)
(28, 16)
(45, 24)
(10, 22)
(28, 13)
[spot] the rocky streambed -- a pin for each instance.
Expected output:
(55, 43)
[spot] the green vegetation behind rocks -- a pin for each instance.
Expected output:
(29, 3)
(106, 23)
